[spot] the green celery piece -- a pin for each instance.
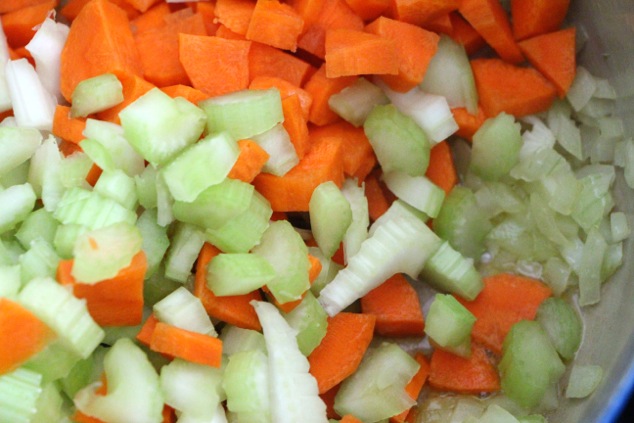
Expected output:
(183, 252)
(216, 205)
(330, 216)
(40, 260)
(376, 390)
(417, 191)
(238, 273)
(19, 393)
(310, 321)
(159, 127)
(398, 142)
(66, 315)
(530, 364)
(91, 209)
(496, 147)
(355, 102)
(448, 324)
(329, 270)
(357, 232)
(200, 166)
(134, 393)
(287, 253)
(246, 383)
(562, 324)
(398, 209)
(96, 94)
(18, 145)
(100, 254)
(17, 203)
(17, 176)
(593, 201)
(293, 391)
(164, 203)
(10, 275)
(182, 309)
(39, 224)
(277, 144)
(236, 339)
(146, 187)
(155, 240)
(50, 405)
(54, 362)
(65, 238)
(244, 114)
(157, 287)
(80, 375)
(583, 380)
(119, 187)
(44, 172)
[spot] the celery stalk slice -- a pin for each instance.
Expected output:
(182, 309)
(310, 321)
(96, 94)
(18, 145)
(355, 102)
(19, 393)
(238, 273)
(330, 216)
(246, 383)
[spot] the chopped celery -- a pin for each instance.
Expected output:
(10, 276)
(106, 145)
(40, 260)
(119, 187)
(183, 251)
(145, 183)
(65, 238)
(157, 286)
(619, 226)
(17, 202)
(397, 209)
(38, 224)
(330, 216)
(18, 145)
(96, 94)
(277, 144)
(19, 393)
(155, 241)
(583, 380)
(49, 405)
(417, 191)
(91, 209)
(496, 147)
(358, 230)
(238, 273)
(448, 324)
(246, 383)
(355, 102)
(236, 339)
(182, 309)
(310, 320)
(562, 325)
(54, 362)
(329, 270)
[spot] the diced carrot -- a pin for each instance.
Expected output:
(22, 335)
(190, 346)
(19, 25)
(67, 128)
(463, 33)
(169, 414)
(368, 9)
(275, 24)
(492, 23)
(79, 417)
(358, 156)
(188, 93)
(415, 47)
(349, 418)
(7, 6)
(354, 52)
(341, 350)
(93, 174)
(331, 14)
(536, 17)
(133, 87)
(503, 87)
(99, 41)
(468, 124)
(295, 124)
(441, 169)
(250, 161)
(328, 398)
(553, 54)
(414, 386)
(142, 5)
(441, 25)
(321, 88)
(473, 375)
(67, 148)
(315, 268)
(235, 14)
(145, 334)
(268, 61)
(292, 192)
(236, 309)
(505, 300)
(224, 32)
(208, 10)
(165, 68)
(215, 65)
(397, 308)
(420, 12)
(117, 301)
(379, 197)
(151, 19)
(285, 88)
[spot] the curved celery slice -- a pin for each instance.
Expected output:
(246, 383)
(236, 339)
(293, 390)
(182, 309)
(17, 202)
(91, 209)
(417, 191)
(155, 240)
(448, 324)
(358, 230)
(119, 187)
(40, 260)
(583, 380)
(244, 113)
(134, 393)
(562, 325)
(158, 127)
(39, 224)
(277, 144)
(96, 94)
(355, 102)
(285, 250)
(106, 145)
(19, 144)
(67, 315)
(310, 321)
(183, 252)
(330, 216)
(19, 393)
(496, 147)
(238, 273)
(398, 142)
(50, 405)
(376, 390)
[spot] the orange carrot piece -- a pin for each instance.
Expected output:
(215, 65)
(145, 334)
(397, 308)
(165, 68)
(188, 93)
(67, 128)
(420, 12)
(151, 19)
(268, 61)
(468, 124)
(19, 25)
(67, 148)
(235, 309)
(285, 88)
(22, 335)
(441, 25)
(492, 23)
(321, 88)
(553, 54)
(315, 268)
(142, 5)
(275, 24)
(376, 193)
(292, 192)
(441, 169)
(191, 346)
(463, 33)
(117, 301)
(208, 10)
(250, 161)
(7, 6)
(358, 156)
(235, 14)
(414, 386)
(473, 375)
(341, 350)
(224, 32)
(349, 418)
(133, 87)
(536, 17)
(72, 8)
(328, 398)
(331, 14)
(503, 87)
(353, 52)
(505, 300)
(99, 41)
(169, 414)
(79, 417)
(415, 48)
(368, 9)
(295, 124)
(93, 174)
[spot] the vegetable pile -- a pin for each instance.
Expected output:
(263, 211)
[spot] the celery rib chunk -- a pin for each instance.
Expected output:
(19, 392)
(17, 202)
(182, 309)
(18, 145)
(246, 383)
(96, 94)
(91, 209)
(330, 216)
